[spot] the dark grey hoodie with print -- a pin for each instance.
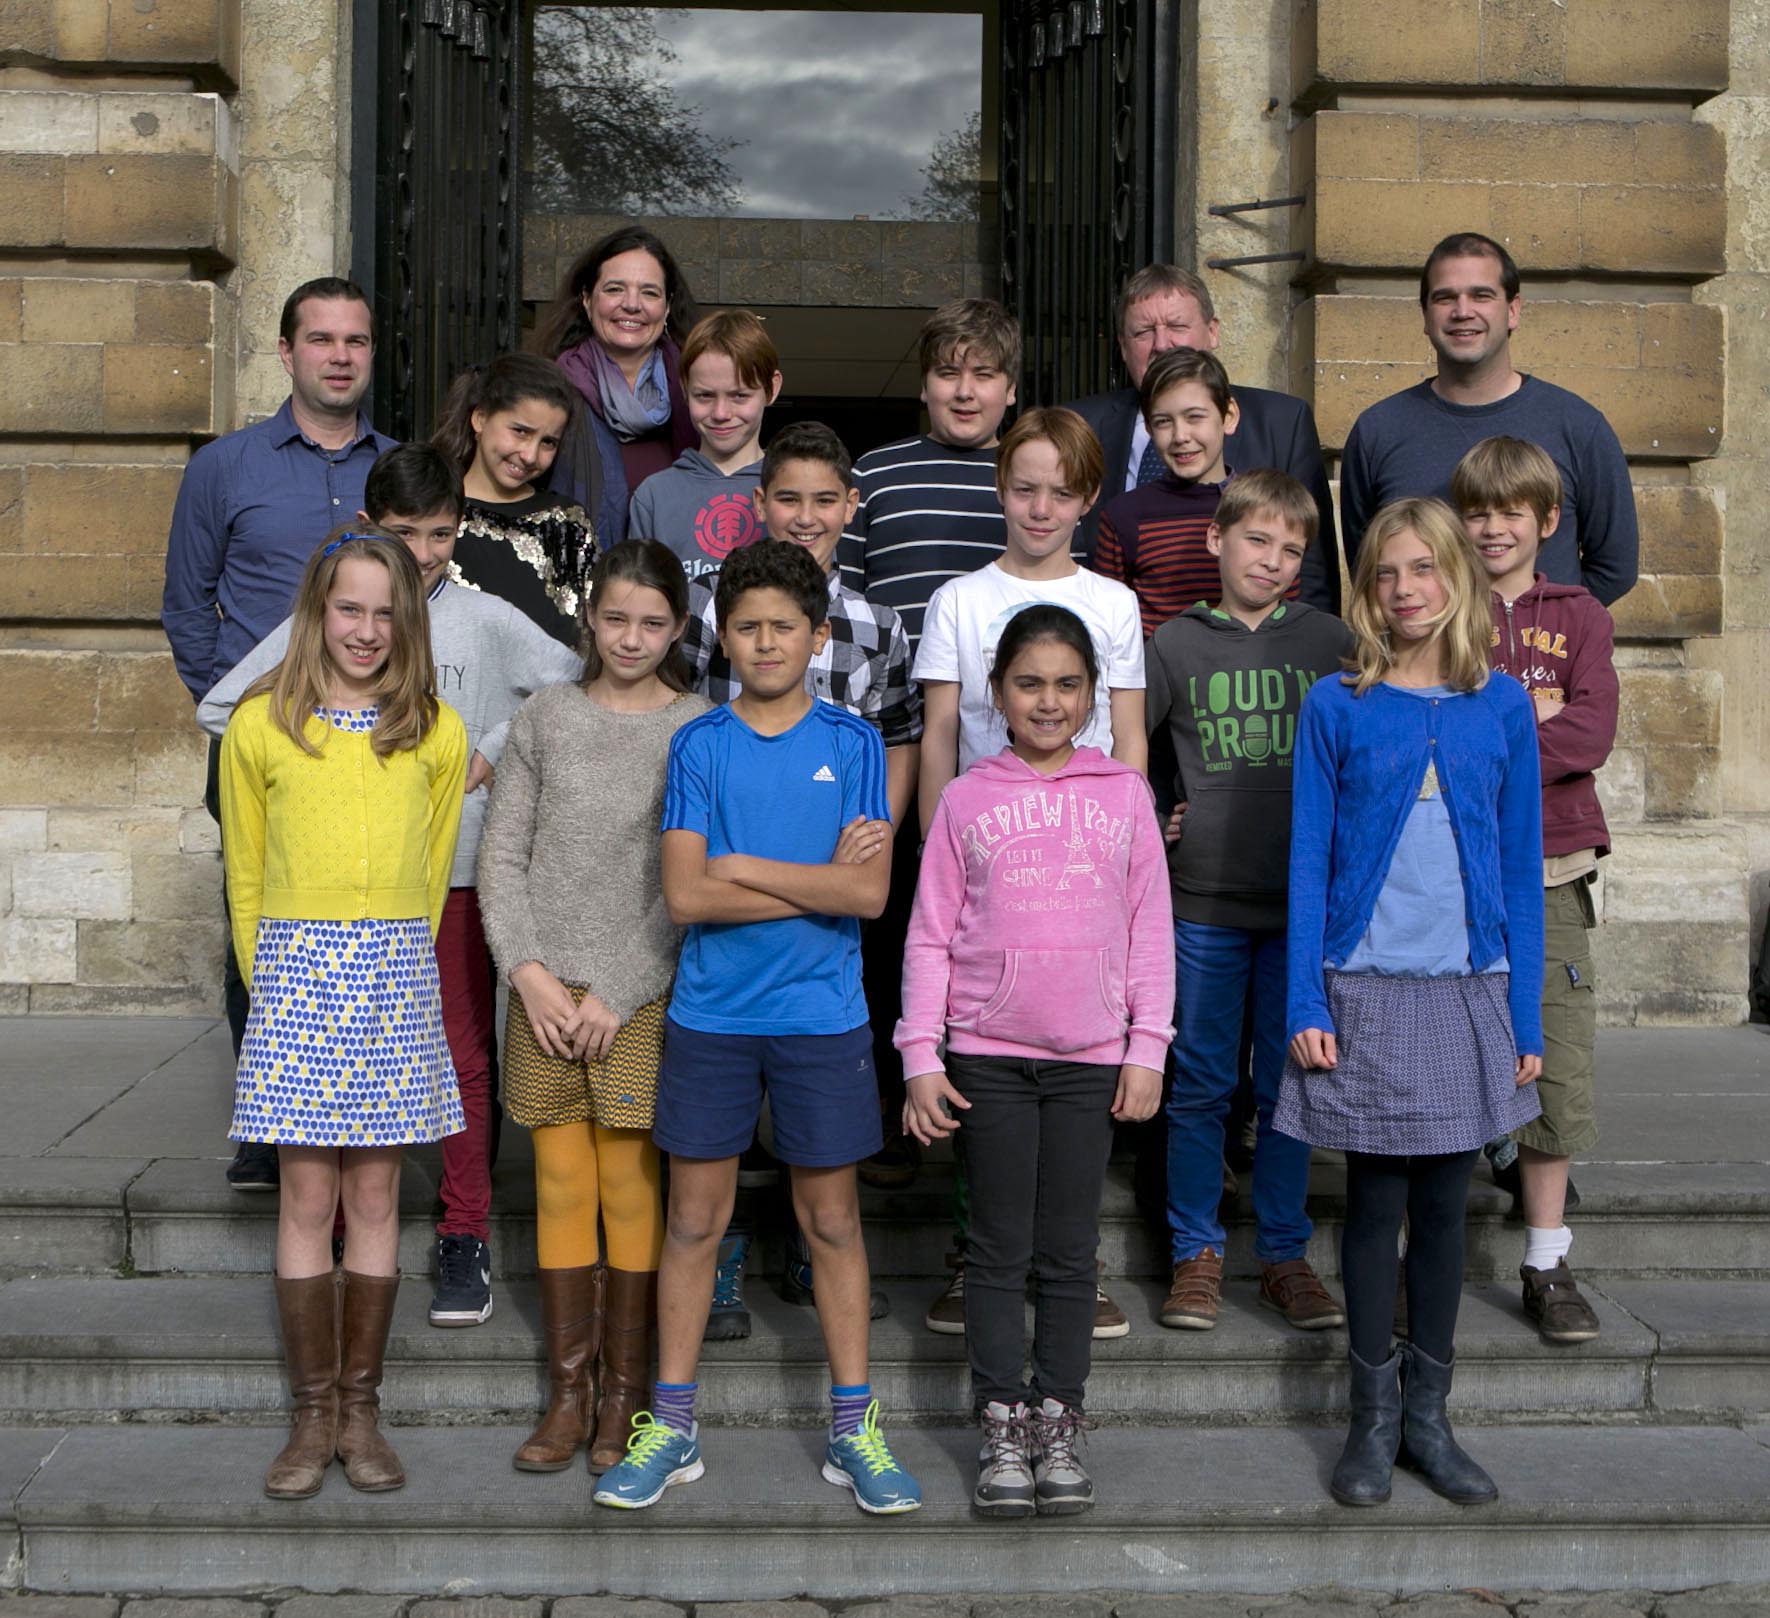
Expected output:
(701, 513)
(1222, 714)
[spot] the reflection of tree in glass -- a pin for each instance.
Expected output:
(609, 135)
(952, 176)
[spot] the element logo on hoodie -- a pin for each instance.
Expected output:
(726, 523)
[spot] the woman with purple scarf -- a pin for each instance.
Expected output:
(613, 329)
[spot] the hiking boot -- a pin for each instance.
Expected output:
(1193, 1296)
(1296, 1292)
(1005, 1485)
(795, 1283)
(1061, 1485)
(1109, 1319)
(894, 1166)
(1552, 1302)
(946, 1314)
(463, 1295)
(728, 1321)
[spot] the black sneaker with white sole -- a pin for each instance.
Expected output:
(255, 1167)
(463, 1295)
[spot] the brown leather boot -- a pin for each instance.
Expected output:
(571, 1324)
(308, 1311)
(369, 1461)
(628, 1335)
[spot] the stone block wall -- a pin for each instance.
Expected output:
(1582, 134)
(168, 167)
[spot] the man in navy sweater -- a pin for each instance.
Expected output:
(1410, 443)
(1163, 306)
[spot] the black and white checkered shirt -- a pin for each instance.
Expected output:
(864, 666)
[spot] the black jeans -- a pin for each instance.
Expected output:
(1037, 1136)
(1432, 1191)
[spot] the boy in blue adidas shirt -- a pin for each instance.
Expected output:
(777, 840)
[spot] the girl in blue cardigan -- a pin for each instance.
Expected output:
(1416, 872)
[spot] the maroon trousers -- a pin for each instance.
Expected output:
(464, 967)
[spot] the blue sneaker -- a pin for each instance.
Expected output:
(657, 1456)
(862, 1462)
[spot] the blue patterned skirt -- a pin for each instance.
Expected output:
(344, 1045)
(1425, 1065)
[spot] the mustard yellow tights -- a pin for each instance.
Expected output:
(582, 1169)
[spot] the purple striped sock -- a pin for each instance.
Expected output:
(672, 1405)
(848, 1408)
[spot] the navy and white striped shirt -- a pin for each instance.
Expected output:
(927, 513)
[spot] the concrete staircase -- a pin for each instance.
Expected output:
(140, 1387)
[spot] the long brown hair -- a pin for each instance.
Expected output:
(406, 695)
(509, 381)
(563, 323)
(655, 565)
(1465, 627)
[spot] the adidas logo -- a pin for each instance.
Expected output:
(824, 773)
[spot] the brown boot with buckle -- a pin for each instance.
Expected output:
(1296, 1292)
(369, 1461)
(1192, 1299)
(628, 1334)
(571, 1327)
(308, 1312)
(1552, 1300)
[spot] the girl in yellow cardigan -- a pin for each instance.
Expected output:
(341, 781)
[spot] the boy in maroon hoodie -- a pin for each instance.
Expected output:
(1555, 640)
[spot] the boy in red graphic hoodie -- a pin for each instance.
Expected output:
(1555, 640)
(1041, 949)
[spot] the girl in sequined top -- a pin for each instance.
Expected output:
(502, 424)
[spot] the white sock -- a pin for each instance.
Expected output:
(1544, 1249)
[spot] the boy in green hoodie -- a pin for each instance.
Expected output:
(1225, 684)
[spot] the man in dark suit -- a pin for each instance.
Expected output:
(1163, 306)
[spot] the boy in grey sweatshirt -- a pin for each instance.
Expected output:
(490, 657)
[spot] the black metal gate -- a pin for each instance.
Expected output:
(1089, 126)
(437, 193)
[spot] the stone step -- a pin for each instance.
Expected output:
(177, 1215)
(207, 1349)
(177, 1510)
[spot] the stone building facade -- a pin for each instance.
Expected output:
(170, 168)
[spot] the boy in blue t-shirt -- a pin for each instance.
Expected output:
(777, 840)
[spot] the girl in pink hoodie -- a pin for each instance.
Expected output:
(1042, 950)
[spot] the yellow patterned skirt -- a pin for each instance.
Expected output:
(619, 1092)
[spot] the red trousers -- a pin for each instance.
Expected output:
(464, 967)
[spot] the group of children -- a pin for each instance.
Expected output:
(667, 787)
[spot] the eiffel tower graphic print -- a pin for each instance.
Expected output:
(1077, 861)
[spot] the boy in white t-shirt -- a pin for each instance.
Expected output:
(1048, 471)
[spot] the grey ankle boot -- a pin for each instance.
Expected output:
(1361, 1476)
(1427, 1444)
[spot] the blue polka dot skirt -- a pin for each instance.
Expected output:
(344, 1045)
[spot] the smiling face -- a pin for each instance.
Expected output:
(1161, 321)
(1507, 537)
(430, 538)
(807, 504)
(627, 305)
(770, 642)
(966, 397)
(357, 631)
(1469, 319)
(1188, 431)
(1410, 591)
(514, 447)
(1045, 699)
(329, 357)
(1039, 507)
(1258, 559)
(632, 627)
(725, 409)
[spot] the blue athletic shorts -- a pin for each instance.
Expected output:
(822, 1096)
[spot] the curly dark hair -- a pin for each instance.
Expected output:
(774, 564)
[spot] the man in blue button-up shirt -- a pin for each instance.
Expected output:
(254, 504)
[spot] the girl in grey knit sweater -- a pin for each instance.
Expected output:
(574, 910)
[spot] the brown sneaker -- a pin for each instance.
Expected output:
(1553, 1303)
(1109, 1319)
(946, 1314)
(1296, 1292)
(1192, 1298)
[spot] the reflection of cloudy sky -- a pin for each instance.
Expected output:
(838, 111)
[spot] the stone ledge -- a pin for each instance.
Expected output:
(198, 34)
(171, 202)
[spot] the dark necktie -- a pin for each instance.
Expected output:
(1151, 466)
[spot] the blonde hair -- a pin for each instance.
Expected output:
(1465, 627)
(1267, 492)
(406, 695)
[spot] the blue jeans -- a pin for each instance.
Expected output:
(1214, 966)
